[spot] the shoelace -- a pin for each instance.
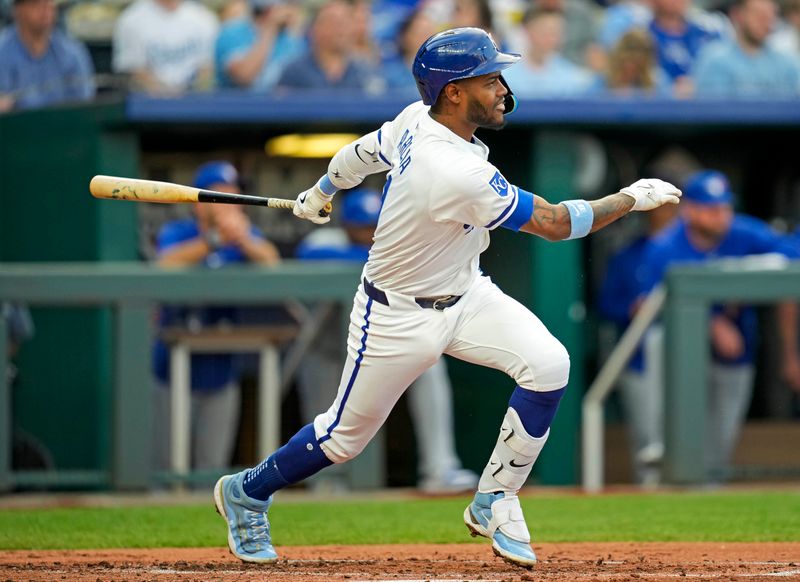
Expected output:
(257, 529)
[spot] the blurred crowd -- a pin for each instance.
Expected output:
(571, 48)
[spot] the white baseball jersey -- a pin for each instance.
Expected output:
(441, 198)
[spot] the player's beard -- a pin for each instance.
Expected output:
(478, 114)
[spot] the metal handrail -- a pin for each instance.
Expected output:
(592, 452)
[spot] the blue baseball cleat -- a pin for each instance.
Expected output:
(498, 516)
(248, 526)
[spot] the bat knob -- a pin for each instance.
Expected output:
(326, 210)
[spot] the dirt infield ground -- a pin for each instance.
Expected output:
(584, 561)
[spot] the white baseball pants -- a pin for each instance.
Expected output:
(388, 347)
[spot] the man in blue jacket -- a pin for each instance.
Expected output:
(709, 229)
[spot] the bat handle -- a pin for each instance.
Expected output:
(289, 205)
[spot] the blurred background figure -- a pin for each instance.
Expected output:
(330, 62)
(165, 46)
(786, 36)
(642, 386)
(621, 17)
(789, 330)
(430, 396)
(365, 47)
(415, 30)
(40, 65)
(632, 67)
(580, 26)
(252, 49)
(747, 66)
(708, 229)
(219, 235)
(544, 72)
(678, 40)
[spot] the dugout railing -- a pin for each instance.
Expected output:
(685, 303)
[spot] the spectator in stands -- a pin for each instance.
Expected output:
(619, 18)
(544, 72)
(330, 63)
(429, 398)
(40, 65)
(747, 66)
(632, 68)
(679, 40)
(475, 13)
(641, 385)
(414, 31)
(786, 36)
(219, 235)
(166, 46)
(709, 229)
(579, 28)
(365, 47)
(251, 51)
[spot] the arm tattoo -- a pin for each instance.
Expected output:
(608, 209)
(552, 220)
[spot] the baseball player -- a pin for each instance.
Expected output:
(430, 400)
(422, 293)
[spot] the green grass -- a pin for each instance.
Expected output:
(721, 516)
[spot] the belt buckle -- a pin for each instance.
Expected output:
(442, 300)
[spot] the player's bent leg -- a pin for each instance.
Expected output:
(495, 512)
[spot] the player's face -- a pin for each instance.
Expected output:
(711, 221)
(485, 96)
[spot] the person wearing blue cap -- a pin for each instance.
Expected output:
(709, 229)
(219, 235)
(430, 397)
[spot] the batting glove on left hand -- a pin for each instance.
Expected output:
(313, 205)
(651, 193)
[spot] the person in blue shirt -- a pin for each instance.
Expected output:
(678, 40)
(544, 71)
(329, 62)
(251, 51)
(40, 65)
(709, 229)
(219, 235)
(640, 385)
(747, 66)
(430, 396)
(415, 29)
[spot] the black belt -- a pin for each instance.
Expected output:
(437, 303)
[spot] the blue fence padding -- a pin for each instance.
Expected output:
(325, 107)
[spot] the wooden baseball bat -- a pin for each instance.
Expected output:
(117, 188)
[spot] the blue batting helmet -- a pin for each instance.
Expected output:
(361, 207)
(459, 53)
(708, 187)
(216, 172)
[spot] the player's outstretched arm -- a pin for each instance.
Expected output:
(577, 218)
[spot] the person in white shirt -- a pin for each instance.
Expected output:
(166, 46)
(422, 293)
